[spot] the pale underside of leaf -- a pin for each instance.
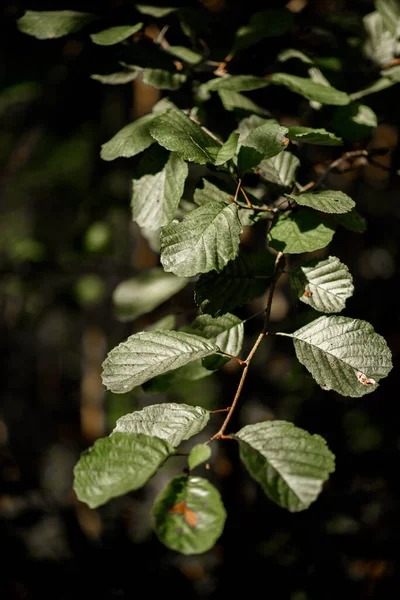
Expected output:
(147, 354)
(336, 349)
(155, 198)
(170, 422)
(324, 285)
(280, 169)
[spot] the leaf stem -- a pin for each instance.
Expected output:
(277, 272)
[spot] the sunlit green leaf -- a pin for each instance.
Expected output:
(310, 89)
(117, 78)
(155, 198)
(343, 354)
(155, 11)
(206, 239)
(114, 35)
(325, 285)
(329, 201)
(290, 464)
(308, 135)
(235, 83)
(118, 464)
(146, 354)
(242, 280)
(162, 79)
(185, 54)
(50, 24)
(146, 291)
(198, 455)
(236, 101)
(188, 515)
(264, 142)
(227, 150)
(177, 132)
(130, 140)
(300, 231)
(171, 422)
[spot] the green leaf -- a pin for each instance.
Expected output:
(242, 280)
(354, 122)
(325, 285)
(343, 354)
(117, 78)
(114, 35)
(171, 422)
(162, 79)
(53, 24)
(177, 132)
(389, 11)
(198, 455)
(248, 124)
(130, 140)
(393, 72)
(309, 89)
(290, 464)
(147, 354)
(377, 86)
(206, 239)
(280, 169)
(227, 150)
(226, 332)
(155, 198)
(143, 293)
(155, 11)
(293, 53)
(235, 101)
(308, 135)
(264, 142)
(352, 221)
(328, 201)
(185, 54)
(235, 83)
(188, 515)
(380, 44)
(264, 24)
(301, 231)
(118, 464)
(211, 193)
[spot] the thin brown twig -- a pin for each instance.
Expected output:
(264, 332)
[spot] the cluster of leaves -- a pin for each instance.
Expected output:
(200, 238)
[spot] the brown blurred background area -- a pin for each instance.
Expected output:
(66, 241)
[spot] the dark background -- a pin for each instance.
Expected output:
(66, 241)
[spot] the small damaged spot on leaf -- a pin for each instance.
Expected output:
(285, 141)
(364, 379)
(190, 516)
(307, 294)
